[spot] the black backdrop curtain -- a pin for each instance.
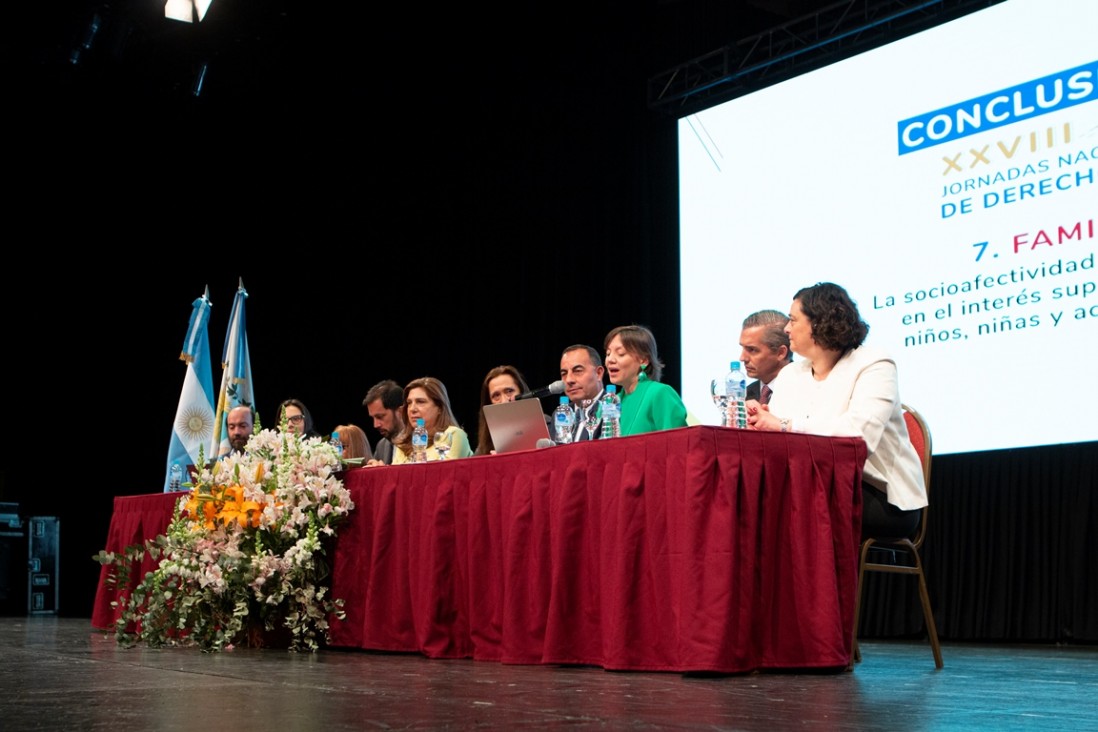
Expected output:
(1009, 554)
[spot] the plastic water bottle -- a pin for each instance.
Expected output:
(611, 413)
(175, 479)
(336, 443)
(563, 420)
(419, 443)
(735, 391)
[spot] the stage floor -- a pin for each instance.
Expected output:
(59, 673)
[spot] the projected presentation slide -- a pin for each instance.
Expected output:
(948, 182)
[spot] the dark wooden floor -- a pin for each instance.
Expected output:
(60, 674)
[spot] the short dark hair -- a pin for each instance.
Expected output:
(774, 336)
(596, 359)
(388, 391)
(836, 324)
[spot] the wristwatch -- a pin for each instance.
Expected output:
(783, 424)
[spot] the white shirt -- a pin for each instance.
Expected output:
(859, 398)
(581, 417)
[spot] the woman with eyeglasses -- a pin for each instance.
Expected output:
(298, 419)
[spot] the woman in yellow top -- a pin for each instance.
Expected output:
(426, 398)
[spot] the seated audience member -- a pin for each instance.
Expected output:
(355, 444)
(581, 371)
(502, 384)
(298, 419)
(842, 387)
(426, 398)
(384, 402)
(764, 351)
(633, 363)
(240, 422)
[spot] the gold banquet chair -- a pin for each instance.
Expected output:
(901, 556)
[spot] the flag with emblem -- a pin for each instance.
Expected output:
(236, 372)
(194, 418)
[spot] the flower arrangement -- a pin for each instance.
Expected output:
(244, 555)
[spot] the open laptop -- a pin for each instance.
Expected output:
(516, 425)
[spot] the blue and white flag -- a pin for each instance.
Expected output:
(194, 418)
(236, 372)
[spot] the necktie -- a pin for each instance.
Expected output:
(581, 417)
(764, 394)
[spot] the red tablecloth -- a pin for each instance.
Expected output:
(135, 519)
(698, 549)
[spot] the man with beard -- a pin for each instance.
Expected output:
(241, 424)
(383, 402)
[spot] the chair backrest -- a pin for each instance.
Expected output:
(919, 433)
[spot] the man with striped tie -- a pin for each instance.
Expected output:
(764, 351)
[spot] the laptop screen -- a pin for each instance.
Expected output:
(516, 425)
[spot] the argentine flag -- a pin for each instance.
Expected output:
(194, 418)
(236, 372)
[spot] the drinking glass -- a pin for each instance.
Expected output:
(592, 417)
(720, 398)
(442, 444)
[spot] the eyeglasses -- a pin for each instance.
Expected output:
(296, 418)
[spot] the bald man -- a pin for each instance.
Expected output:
(241, 424)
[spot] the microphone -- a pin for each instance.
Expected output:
(557, 387)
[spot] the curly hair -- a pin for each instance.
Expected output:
(836, 324)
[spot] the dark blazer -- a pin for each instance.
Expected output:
(384, 451)
(753, 389)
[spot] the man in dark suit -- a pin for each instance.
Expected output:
(764, 351)
(581, 371)
(383, 402)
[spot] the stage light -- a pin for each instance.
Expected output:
(185, 10)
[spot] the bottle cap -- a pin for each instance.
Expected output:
(419, 422)
(564, 401)
(335, 434)
(734, 366)
(612, 388)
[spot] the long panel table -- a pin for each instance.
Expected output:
(697, 549)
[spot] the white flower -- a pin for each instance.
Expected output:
(204, 564)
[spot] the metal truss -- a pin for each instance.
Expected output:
(834, 33)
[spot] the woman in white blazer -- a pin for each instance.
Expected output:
(841, 387)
